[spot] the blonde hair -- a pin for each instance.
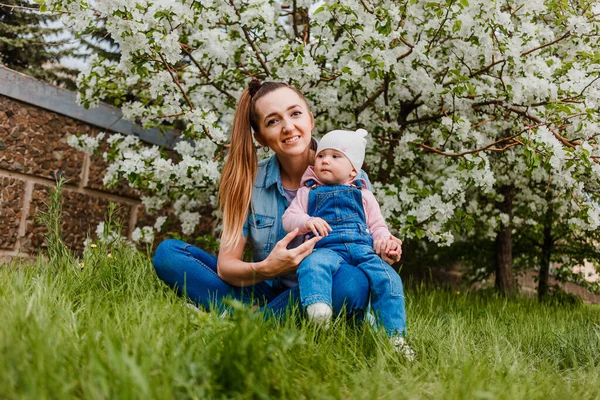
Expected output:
(241, 166)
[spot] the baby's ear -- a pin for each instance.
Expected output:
(353, 173)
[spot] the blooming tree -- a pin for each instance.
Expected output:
(550, 223)
(464, 99)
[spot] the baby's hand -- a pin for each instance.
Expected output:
(390, 247)
(318, 226)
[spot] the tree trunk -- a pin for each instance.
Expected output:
(505, 278)
(546, 252)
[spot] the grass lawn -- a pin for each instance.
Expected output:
(112, 330)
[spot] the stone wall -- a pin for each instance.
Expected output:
(35, 122)
(33, 151)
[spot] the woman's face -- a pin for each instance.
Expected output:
(285, 123)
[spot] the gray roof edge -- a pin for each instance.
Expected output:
(30, 90)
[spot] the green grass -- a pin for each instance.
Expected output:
(112, 330)
(107, 328)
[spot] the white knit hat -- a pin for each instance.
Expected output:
(351, 143)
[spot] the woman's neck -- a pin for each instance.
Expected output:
(292, 169)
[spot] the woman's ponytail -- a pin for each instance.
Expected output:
(239, 172)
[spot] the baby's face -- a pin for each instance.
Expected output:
(332, 167)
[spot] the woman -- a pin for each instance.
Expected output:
(253, 196)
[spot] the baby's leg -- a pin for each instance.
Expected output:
(315, 279)
(387, 294)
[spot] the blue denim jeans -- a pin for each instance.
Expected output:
(387, 297)
(349, 242)
(193, 272)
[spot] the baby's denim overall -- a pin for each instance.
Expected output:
(350, 240)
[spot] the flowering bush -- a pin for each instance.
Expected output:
(461, 97)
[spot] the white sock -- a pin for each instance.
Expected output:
(320, 314)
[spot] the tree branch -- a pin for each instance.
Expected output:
(176, 81)
(489, 147)
(370, 100)
(494, 63)
(343, 28)
(583, 90)
(487, 67)
(13, 6)
(257, 51)
(187, 99)
(565, 35)
(441, 26)
(205, 73)
(294, 23)
(539, 121)
(403, 55)
(370, 11)
(406, 42)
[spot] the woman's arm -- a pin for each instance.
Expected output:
(281, 261)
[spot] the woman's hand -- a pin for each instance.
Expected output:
(390, 250)
(282, 260)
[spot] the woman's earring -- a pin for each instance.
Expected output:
(266, 149)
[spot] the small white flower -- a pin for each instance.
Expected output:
(159, 222)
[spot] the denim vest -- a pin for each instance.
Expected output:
(263, 224)
(263, 227)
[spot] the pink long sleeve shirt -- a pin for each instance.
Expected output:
(296, 215)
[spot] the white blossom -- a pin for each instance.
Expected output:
(440, 92)
(143, 235)
(87, 144)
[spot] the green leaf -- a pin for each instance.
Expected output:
(385, 29)
(457, 25)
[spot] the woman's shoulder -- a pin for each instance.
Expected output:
(264, 162)
(363, 176)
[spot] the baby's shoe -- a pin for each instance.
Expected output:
(402, 348)
(320, 314)
(195, 310)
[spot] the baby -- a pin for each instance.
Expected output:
(334, 204)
